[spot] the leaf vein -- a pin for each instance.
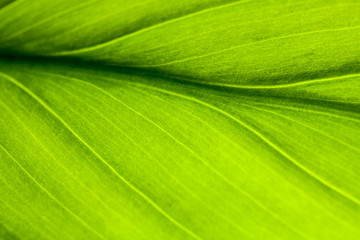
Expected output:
(130, 185)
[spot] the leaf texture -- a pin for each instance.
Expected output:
(200, 119)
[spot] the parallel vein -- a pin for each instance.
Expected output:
(131, 186)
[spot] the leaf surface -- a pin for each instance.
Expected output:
(180, 120)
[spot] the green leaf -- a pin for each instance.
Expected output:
(180, 119)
